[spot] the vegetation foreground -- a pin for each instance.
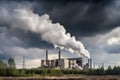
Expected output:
(9, 72)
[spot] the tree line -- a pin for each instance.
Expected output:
(9, 69)
(10, 63)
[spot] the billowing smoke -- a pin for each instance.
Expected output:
(22, 17)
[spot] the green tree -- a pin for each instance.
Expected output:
(11, 63)
(116, 70)
(102, 71)
(2, 64)
(3, 67)
(109, 70)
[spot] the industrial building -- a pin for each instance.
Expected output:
(65, 63)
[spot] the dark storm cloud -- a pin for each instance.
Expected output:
(79, 17)
(83, 17)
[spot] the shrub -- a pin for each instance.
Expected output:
(55, 72)
(3, 72)
(44, 72)
(22, 72)
(12, 72)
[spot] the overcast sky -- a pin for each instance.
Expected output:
(93, 22)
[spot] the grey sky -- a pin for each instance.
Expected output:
(94, 22)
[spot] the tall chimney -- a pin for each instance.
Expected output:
(59, 55)
(90, 63)
(46, 55)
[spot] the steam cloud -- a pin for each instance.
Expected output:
(22, 17)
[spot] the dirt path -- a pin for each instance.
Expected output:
(64, 78)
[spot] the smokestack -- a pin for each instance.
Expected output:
(59, 57)
(23, 62)
(90, 63)
(46, 55)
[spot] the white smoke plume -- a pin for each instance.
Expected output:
(22, 17)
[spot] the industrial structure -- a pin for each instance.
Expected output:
(65, 63)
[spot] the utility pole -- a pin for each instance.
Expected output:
(23, 62)
(99, 65)
(103, 65)
(94, 65)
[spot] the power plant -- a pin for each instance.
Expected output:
(65, 63)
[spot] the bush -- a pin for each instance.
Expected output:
(55, 72)
(52, 72)
(3, 72)
(12, 72)
(22, 72)
(44, 72)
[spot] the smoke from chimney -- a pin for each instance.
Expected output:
(22, 17)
